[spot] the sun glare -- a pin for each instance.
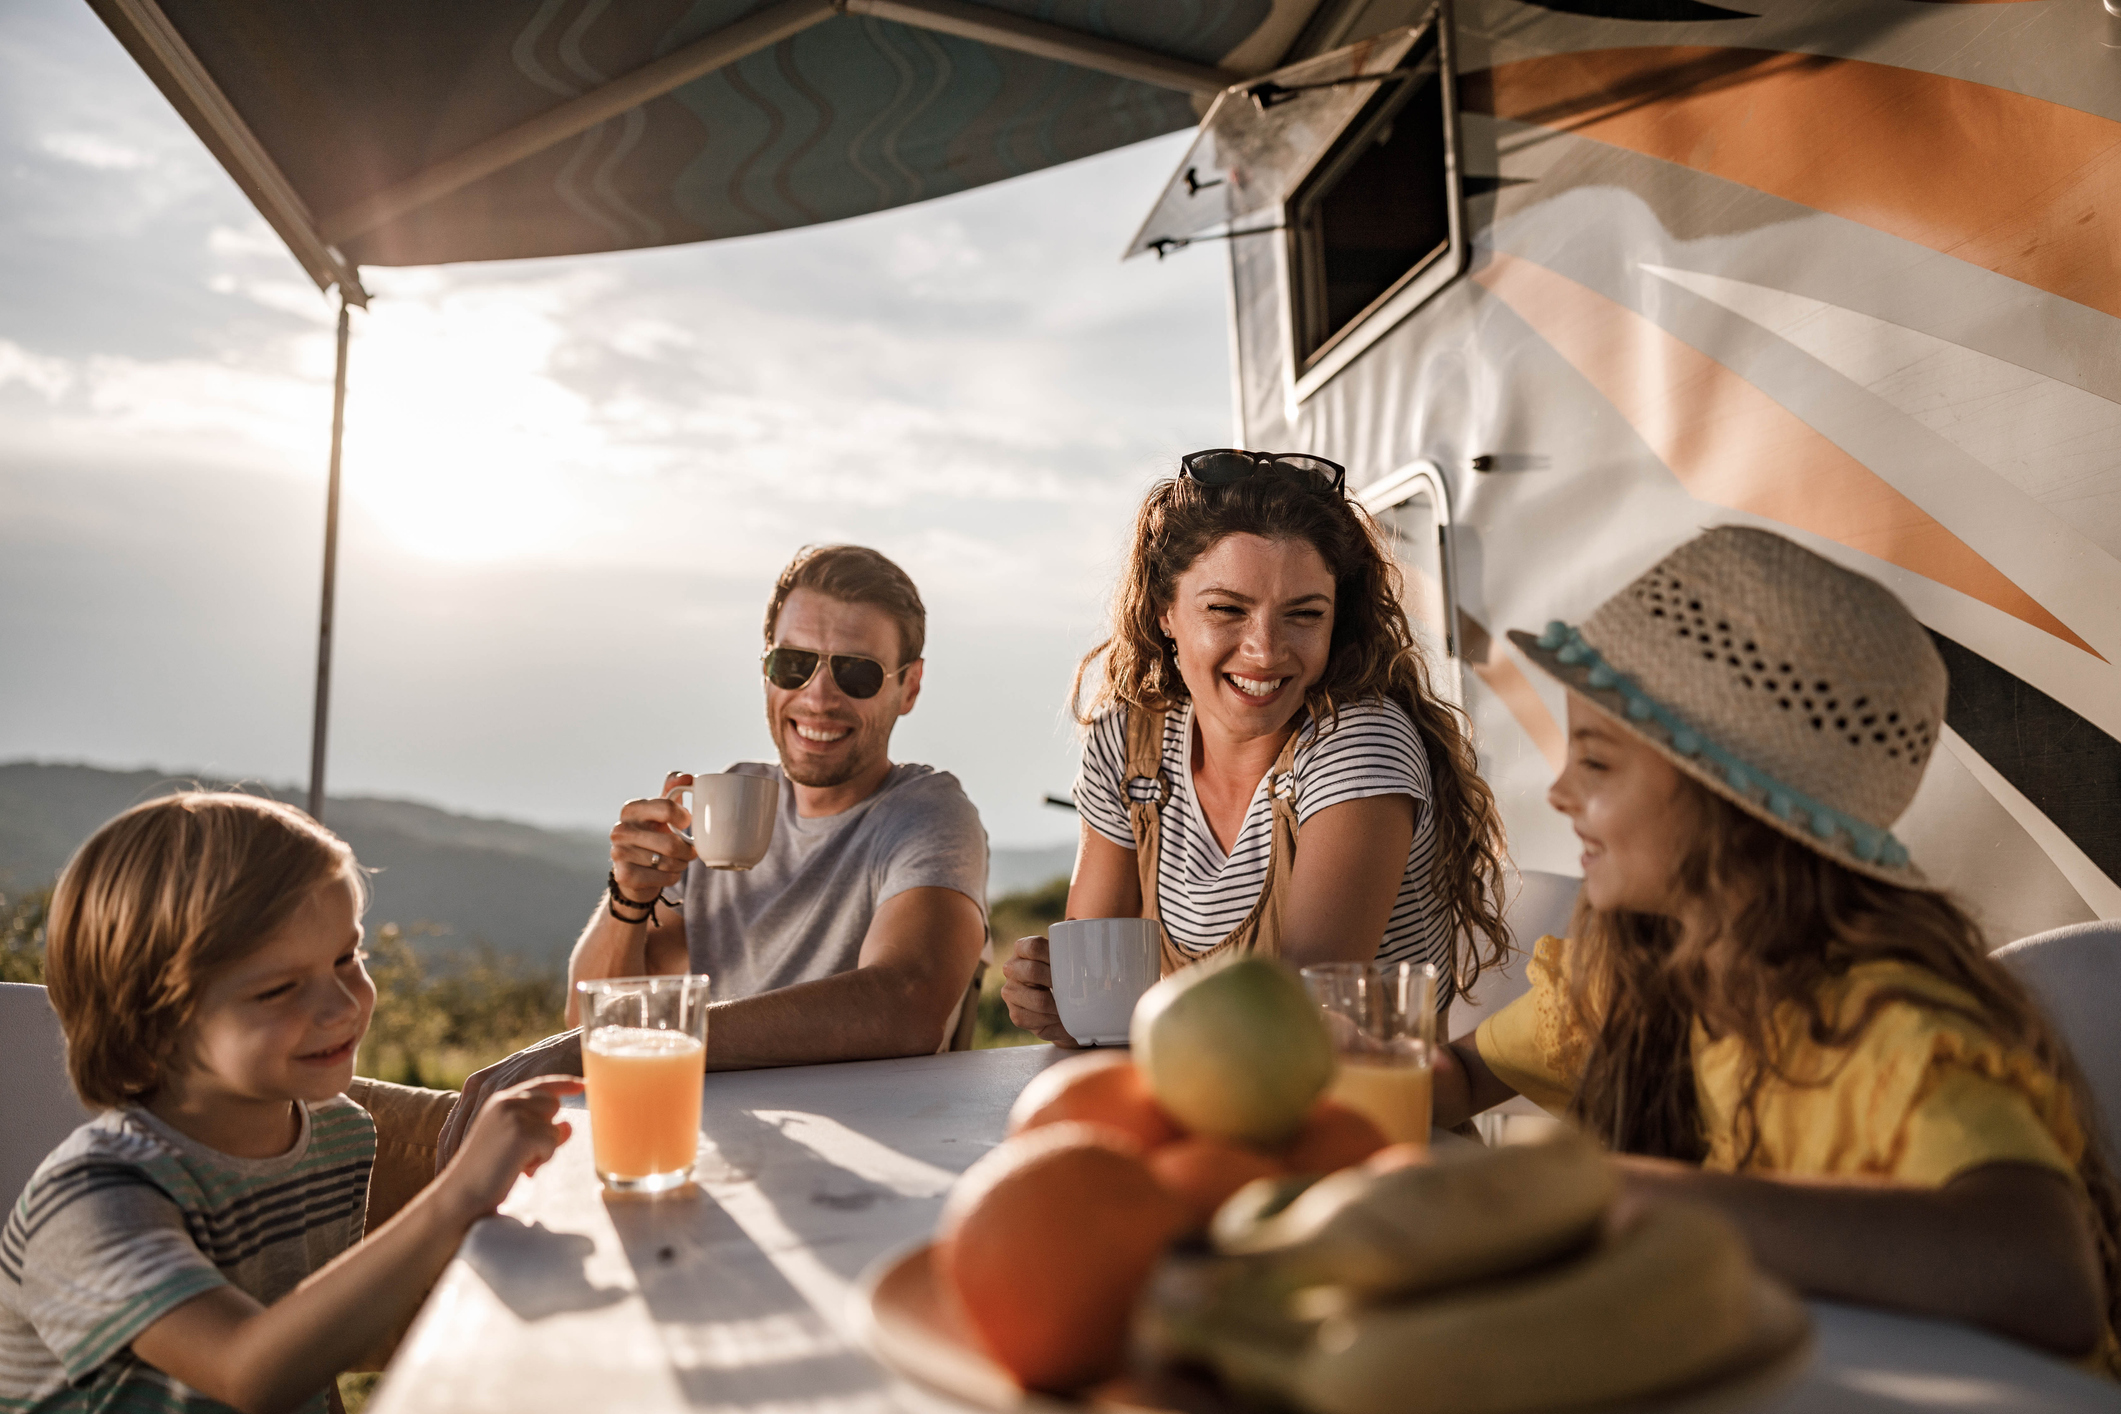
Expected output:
(460, 443)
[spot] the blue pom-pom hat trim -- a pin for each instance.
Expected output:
(1869, 843)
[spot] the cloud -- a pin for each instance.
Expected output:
(568, 483)
(92, 151)
(50, 377)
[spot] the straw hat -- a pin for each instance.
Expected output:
(1802, 692)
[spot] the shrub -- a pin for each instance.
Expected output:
(1013, 916)
(22, 935)
(439, 1020)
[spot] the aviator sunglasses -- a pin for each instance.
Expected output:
(791, 670)
(1225, 466)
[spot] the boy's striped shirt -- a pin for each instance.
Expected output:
(129, 1219)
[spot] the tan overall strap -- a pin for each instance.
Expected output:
(1148, 791)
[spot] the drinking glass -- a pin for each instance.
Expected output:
(1383, 1020)
(644, 1048)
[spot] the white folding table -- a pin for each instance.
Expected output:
(741, 1295)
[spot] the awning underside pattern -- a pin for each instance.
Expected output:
(852, 115)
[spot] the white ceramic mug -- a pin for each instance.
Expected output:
(1101, 966)
(732, 818)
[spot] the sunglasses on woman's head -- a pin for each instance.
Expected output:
(791, 670)
(1226, 466)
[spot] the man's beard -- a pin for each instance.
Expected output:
(862, 754)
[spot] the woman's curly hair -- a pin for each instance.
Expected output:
(1373, 655)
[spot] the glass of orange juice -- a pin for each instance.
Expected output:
(644, 1049)
(1383, 1020)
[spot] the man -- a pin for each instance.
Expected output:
(857, 934)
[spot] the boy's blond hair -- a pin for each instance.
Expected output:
(155, 903)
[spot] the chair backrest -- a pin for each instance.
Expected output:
(2075, 974)
(1539, 903)
(37, 1104)
(964, 1022)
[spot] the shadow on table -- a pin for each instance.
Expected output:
(535, 1271)
(945, 1110)
(844, 1217)
(737, 1333)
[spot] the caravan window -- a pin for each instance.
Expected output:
(1376, 212)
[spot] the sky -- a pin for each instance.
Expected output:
(568, 484)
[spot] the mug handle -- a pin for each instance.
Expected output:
(693, 809)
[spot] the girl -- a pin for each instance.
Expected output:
(1764, 1005)
(202, 1236)
(1261, 683)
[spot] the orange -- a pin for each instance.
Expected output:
(1103, 1089)
(1202, 1172)
(1334, 1136)
(1397, 1156)
(1044, 1245)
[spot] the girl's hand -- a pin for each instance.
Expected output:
(514, 1134)
(1029, 993)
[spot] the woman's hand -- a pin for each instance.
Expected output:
(1029, 993)
(648, 854)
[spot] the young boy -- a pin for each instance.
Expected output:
(202, 1236)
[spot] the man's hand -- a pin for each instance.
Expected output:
(1028, 993)
(554, 1057)
(648, 854)
(514, 1134)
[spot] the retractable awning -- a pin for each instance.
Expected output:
(400, 132)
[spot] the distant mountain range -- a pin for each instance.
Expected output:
(456, 879)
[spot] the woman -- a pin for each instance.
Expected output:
(1763, 1004)
(1261, 687)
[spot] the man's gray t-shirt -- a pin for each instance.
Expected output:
(800, 913)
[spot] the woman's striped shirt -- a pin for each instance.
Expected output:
(1371, 748)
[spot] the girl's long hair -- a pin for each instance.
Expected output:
(1778, 921)
(1373, 654)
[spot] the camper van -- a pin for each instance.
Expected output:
(1562, 283)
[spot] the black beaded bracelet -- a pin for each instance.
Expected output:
(647, 905)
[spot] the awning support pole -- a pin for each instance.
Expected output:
(331, 578)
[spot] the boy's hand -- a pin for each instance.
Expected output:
(559, 1055)
(514, 1134)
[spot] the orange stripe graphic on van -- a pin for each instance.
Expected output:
(2018, 185)
(1731, 444)
(1512, 688)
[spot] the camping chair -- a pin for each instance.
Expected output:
(2075, 975)
(39, 1109)
(1539, 903)
(967, 1022)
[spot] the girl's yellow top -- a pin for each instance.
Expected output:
(1922, 1095)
